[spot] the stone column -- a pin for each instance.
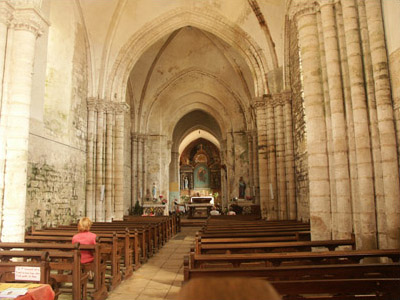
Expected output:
(90, 160)
(224, 175)
(320, 216)
(385, 121)
(174, 181)
(348, 117)
(280, 157)
(272, 184)
(328, 122)
(100, 187)
(373, 126)
(251, 158)
(259, 105)
(6, 11)
(367, 237)
(109, 162)
(27, 25)
(256, 191)
(343, 218)
(289, 156)
(119, 159)
(134, 170)
(141, 173)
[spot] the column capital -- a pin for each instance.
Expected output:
(109, 107)
(258, 102)
(287, 97)
(96, 104)
(91, 104)
(278, 100)
(142, 137)
(29, 19)
(268, 100)
(121, 107)
(6, 12)
(134, 136)
(323, 3)
(302, 9)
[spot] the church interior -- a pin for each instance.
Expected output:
(285, 111)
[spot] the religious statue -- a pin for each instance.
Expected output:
(186, 183)
(154, 190)
(242, 188)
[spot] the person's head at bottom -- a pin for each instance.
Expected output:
(228, 288)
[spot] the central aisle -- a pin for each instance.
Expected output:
(162, 275)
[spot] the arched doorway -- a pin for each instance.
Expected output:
(200, 170)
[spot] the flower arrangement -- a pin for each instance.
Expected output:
(164, 201)
(185, 198)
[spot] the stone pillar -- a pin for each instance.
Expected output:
(100, 187)
(174, 180)
(289, 156)
(272, 184)
(6, 11)
(141, 172)
(349, 117)
(134, 183)
(280, 157)
(385, 121)
(27, 25)
(373, 126)
(224, 175)
(251, 158)
(343, 218)
(256, 191)
(328, 122)
(90, 160)
(259, 105)
(320, 216)
(119, 159)
(109, 162)
(367, 236)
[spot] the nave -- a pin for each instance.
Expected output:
(162, 276)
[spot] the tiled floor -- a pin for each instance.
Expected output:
(162, 275)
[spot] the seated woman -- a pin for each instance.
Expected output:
(85, 237)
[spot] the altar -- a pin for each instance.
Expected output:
(200, 207)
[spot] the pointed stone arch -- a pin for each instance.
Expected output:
(209, 21)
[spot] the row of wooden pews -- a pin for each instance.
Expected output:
(122, 246)
(282, 253)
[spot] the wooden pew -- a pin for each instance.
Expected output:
(319, 281)
(297, 235)
(302, 272)
(36, 259)
(62, 258)
(139, 238)
(276, 259)
(231, 246)
(112, 249)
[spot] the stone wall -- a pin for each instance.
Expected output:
(55, 192)
(300, 136)
(57, 150)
